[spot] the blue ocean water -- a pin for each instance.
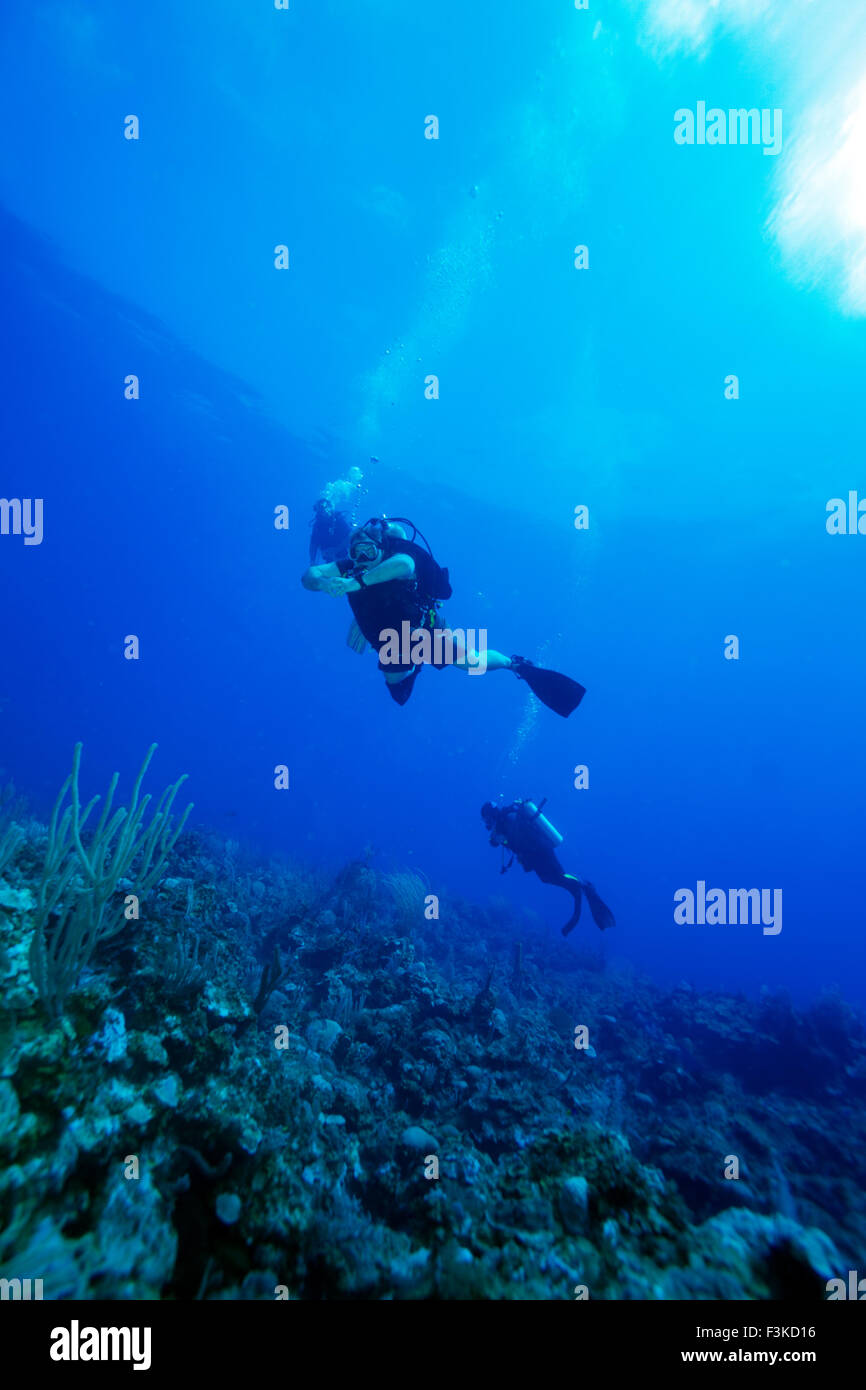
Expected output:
(605, 388)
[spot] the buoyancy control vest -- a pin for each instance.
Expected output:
(414, 600)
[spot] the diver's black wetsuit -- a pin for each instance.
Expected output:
(381, 607)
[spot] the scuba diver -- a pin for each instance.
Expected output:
(532, 840)
(334, 517)
(393, 583)
(330, 532)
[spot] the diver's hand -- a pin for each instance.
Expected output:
(339, 586)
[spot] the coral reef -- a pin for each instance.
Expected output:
(279, 1080)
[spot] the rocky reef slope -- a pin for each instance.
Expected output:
(279, 1084)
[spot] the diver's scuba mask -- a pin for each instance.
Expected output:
(364, 549)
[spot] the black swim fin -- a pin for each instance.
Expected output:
(601, 913)
(560, 693)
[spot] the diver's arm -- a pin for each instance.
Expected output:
(318, 576)
(500, 830)
(332, 580)
(507, 828)
(397, 567)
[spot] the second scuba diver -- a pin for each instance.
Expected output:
(389, 579)
(334, 517)
(329, 533)
(532, 841)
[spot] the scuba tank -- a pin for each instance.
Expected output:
(533, 813)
